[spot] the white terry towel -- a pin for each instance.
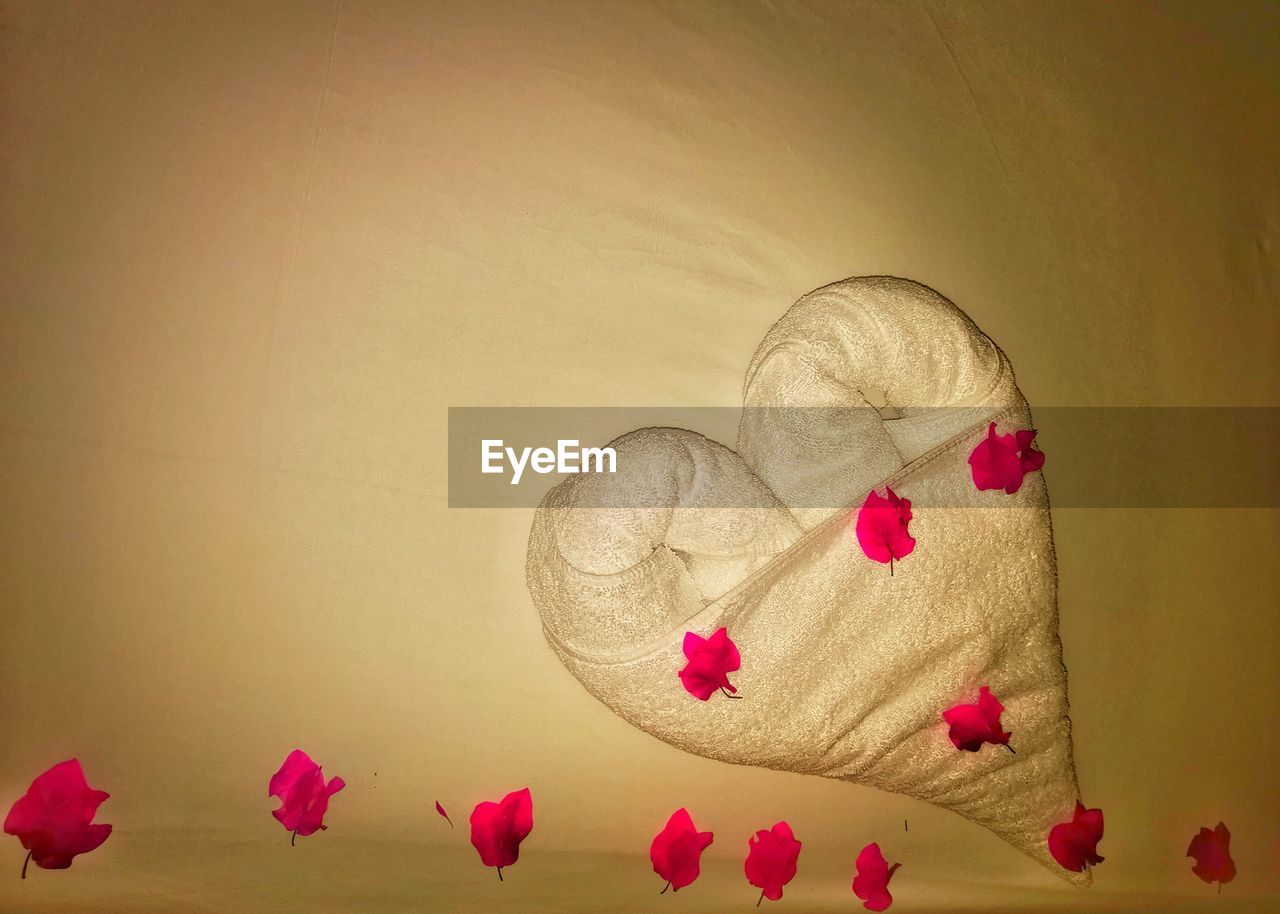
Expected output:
(846, 670)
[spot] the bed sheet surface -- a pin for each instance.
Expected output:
(250, 253)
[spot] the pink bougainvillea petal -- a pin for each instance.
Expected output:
(872, 882)
(995, 463)
(676, 851)
(711, 660)
(972, 725)
(702, 678)
(1029, 458)
(1074, 844)
(444, 815)
(498, 828)
(1211, 849)
(693, 644)
(722, 648)
(303, 794)
(54, 818)
(882, 527)
(1001, 461)
(296, 765)
(771, 860)
(312, 819)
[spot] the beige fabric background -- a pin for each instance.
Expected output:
(251, 252)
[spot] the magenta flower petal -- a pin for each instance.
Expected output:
(498, 828)
(54, 818)
(872, 882)
(1074, 844)
(676, 851)
(882, 527)
(975, 724)
(771, 860)
(1001, 461)
(1211, 849)
(303, 794)
(711, 660)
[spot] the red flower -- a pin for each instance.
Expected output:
(54, 818)
(872, 882)
(498, 828)
(882, 527)
(304, 795)
(711, 660)
(1074, 844)
(444, 815)
(771, 860)
(1212, 850)
(1001, 461)
(973, 725)
(676, 850)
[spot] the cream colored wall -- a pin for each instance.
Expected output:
(251, 253)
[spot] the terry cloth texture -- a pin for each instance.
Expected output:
(846, 669)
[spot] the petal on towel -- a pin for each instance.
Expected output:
(676, 851)
(1074, 844)
(722, 649)
(978, 723)
(693, 644)
(882, 527)
(1030, 458)
(444, 815)
(872, 882)
(702, 678)
(711, 660)
(1001, 461)
(995, 463)
(771, 860)
(1211, 849)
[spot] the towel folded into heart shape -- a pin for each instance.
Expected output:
(845, 668)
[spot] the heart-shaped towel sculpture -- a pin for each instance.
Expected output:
(846, 669)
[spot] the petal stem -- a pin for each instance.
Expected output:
(664, 889)
(726, 694)
(760, 899)
(500, 874)
(28, 860)
(1011, 749)
(293, 838)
